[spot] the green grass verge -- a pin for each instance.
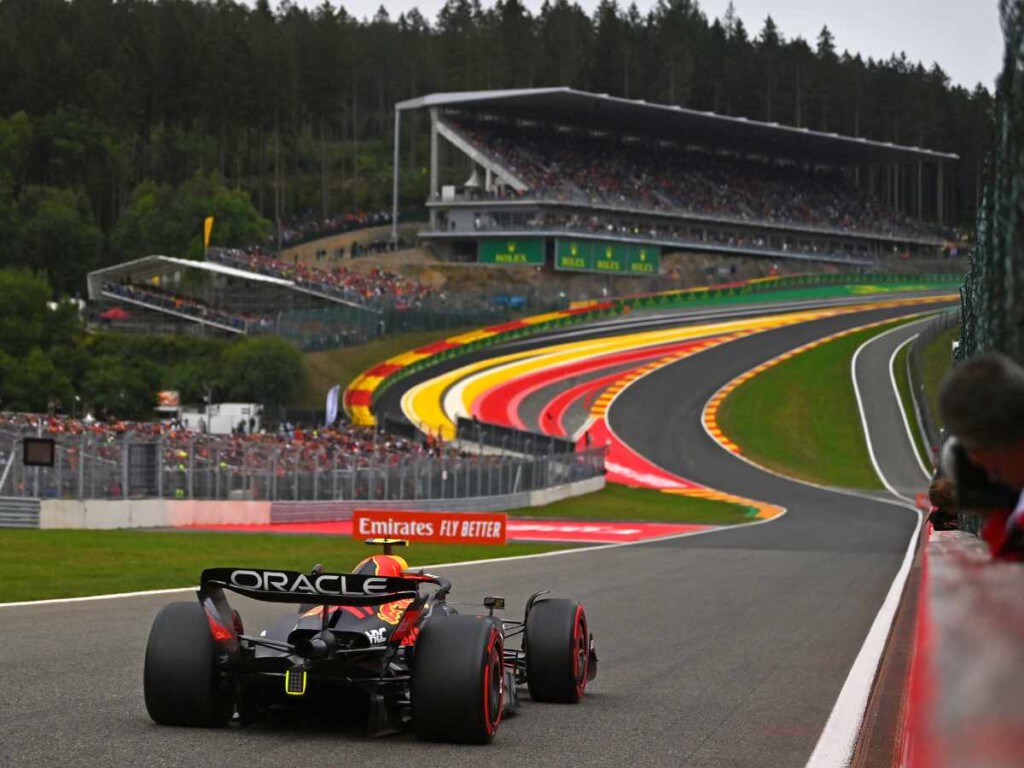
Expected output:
(769, 295)
(340, 366)
(71, 563)
(617, 502)
(47, 564)
(903, 386)
(800, 417)
(936, 360)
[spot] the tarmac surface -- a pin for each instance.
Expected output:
(719, 649)
(894, 453)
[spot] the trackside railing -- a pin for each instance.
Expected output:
(90, 467)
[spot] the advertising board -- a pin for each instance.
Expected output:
(435, 527)
(528, 250)
(582, 255)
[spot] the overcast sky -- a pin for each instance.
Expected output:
(963, 36)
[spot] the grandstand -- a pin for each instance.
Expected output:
(165, 292)
(250, 291)
(589, 182)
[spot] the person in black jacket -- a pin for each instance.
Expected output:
(942, 495)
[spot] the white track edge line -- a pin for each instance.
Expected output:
(572, 551)
(843, 724)
(839, 736)
(86, 598)
(903, 411)
(863, 413)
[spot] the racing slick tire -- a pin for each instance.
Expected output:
(180, 680)
(557, 646)
(457, 679)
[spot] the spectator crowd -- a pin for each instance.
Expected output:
(183, 305)
(310, 227)
(575, 167)
(375, 287)
(293, 446)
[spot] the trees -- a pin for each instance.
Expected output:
(58, 235)
(32, 337)
(564, 41)
(768, 43)
(267, 370)
(119, 105)
(45, 356)
(160, 219)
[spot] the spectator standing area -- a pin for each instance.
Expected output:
(249, 291)
(594, 183)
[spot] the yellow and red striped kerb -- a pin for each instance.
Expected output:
(358, 397)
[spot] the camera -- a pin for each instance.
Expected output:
(973, 488)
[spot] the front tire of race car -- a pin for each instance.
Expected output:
(180, 681)
(557, 644)
(457, 680)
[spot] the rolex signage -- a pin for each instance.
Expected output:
(524, 250)
(607, 257)
(574, 255)
(611, 257)
(643, 260)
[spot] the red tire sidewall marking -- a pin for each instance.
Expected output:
(579, 627)
(493, 649)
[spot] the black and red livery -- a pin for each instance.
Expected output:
(383, 633)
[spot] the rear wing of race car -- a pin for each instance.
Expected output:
(318, 587)
(315, 587)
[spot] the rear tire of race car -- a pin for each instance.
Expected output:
(557, 644)
(180, 681)
(457, 680)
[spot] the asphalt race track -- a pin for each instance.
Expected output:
(726, 649)
(894, 452)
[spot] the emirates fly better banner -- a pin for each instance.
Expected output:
(436, 527)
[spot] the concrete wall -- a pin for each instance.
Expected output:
(966, 682)
(170, 513)
(101, 514)
(323, 511)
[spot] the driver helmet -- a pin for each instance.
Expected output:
(381, 565)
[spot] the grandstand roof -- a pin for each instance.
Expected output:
(601, 111)
(149, 266)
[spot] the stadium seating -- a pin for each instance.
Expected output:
(165, 301)
(375, 287)
(590, 170)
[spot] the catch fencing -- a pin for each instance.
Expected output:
(509, 438)
(95, 467)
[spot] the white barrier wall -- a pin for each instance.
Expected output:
(100, 514)
(559, 492)
(218, 513)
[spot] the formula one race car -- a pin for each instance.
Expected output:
(383, 633)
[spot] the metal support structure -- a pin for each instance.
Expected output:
(435, 170)
(81, 467)
(940, 201)
(394, 176)
(920, 191)
(897, 175)
(10, 463)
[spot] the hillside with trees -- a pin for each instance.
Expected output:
(123, 123)
(49, 363)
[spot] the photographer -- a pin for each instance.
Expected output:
(982, 404)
